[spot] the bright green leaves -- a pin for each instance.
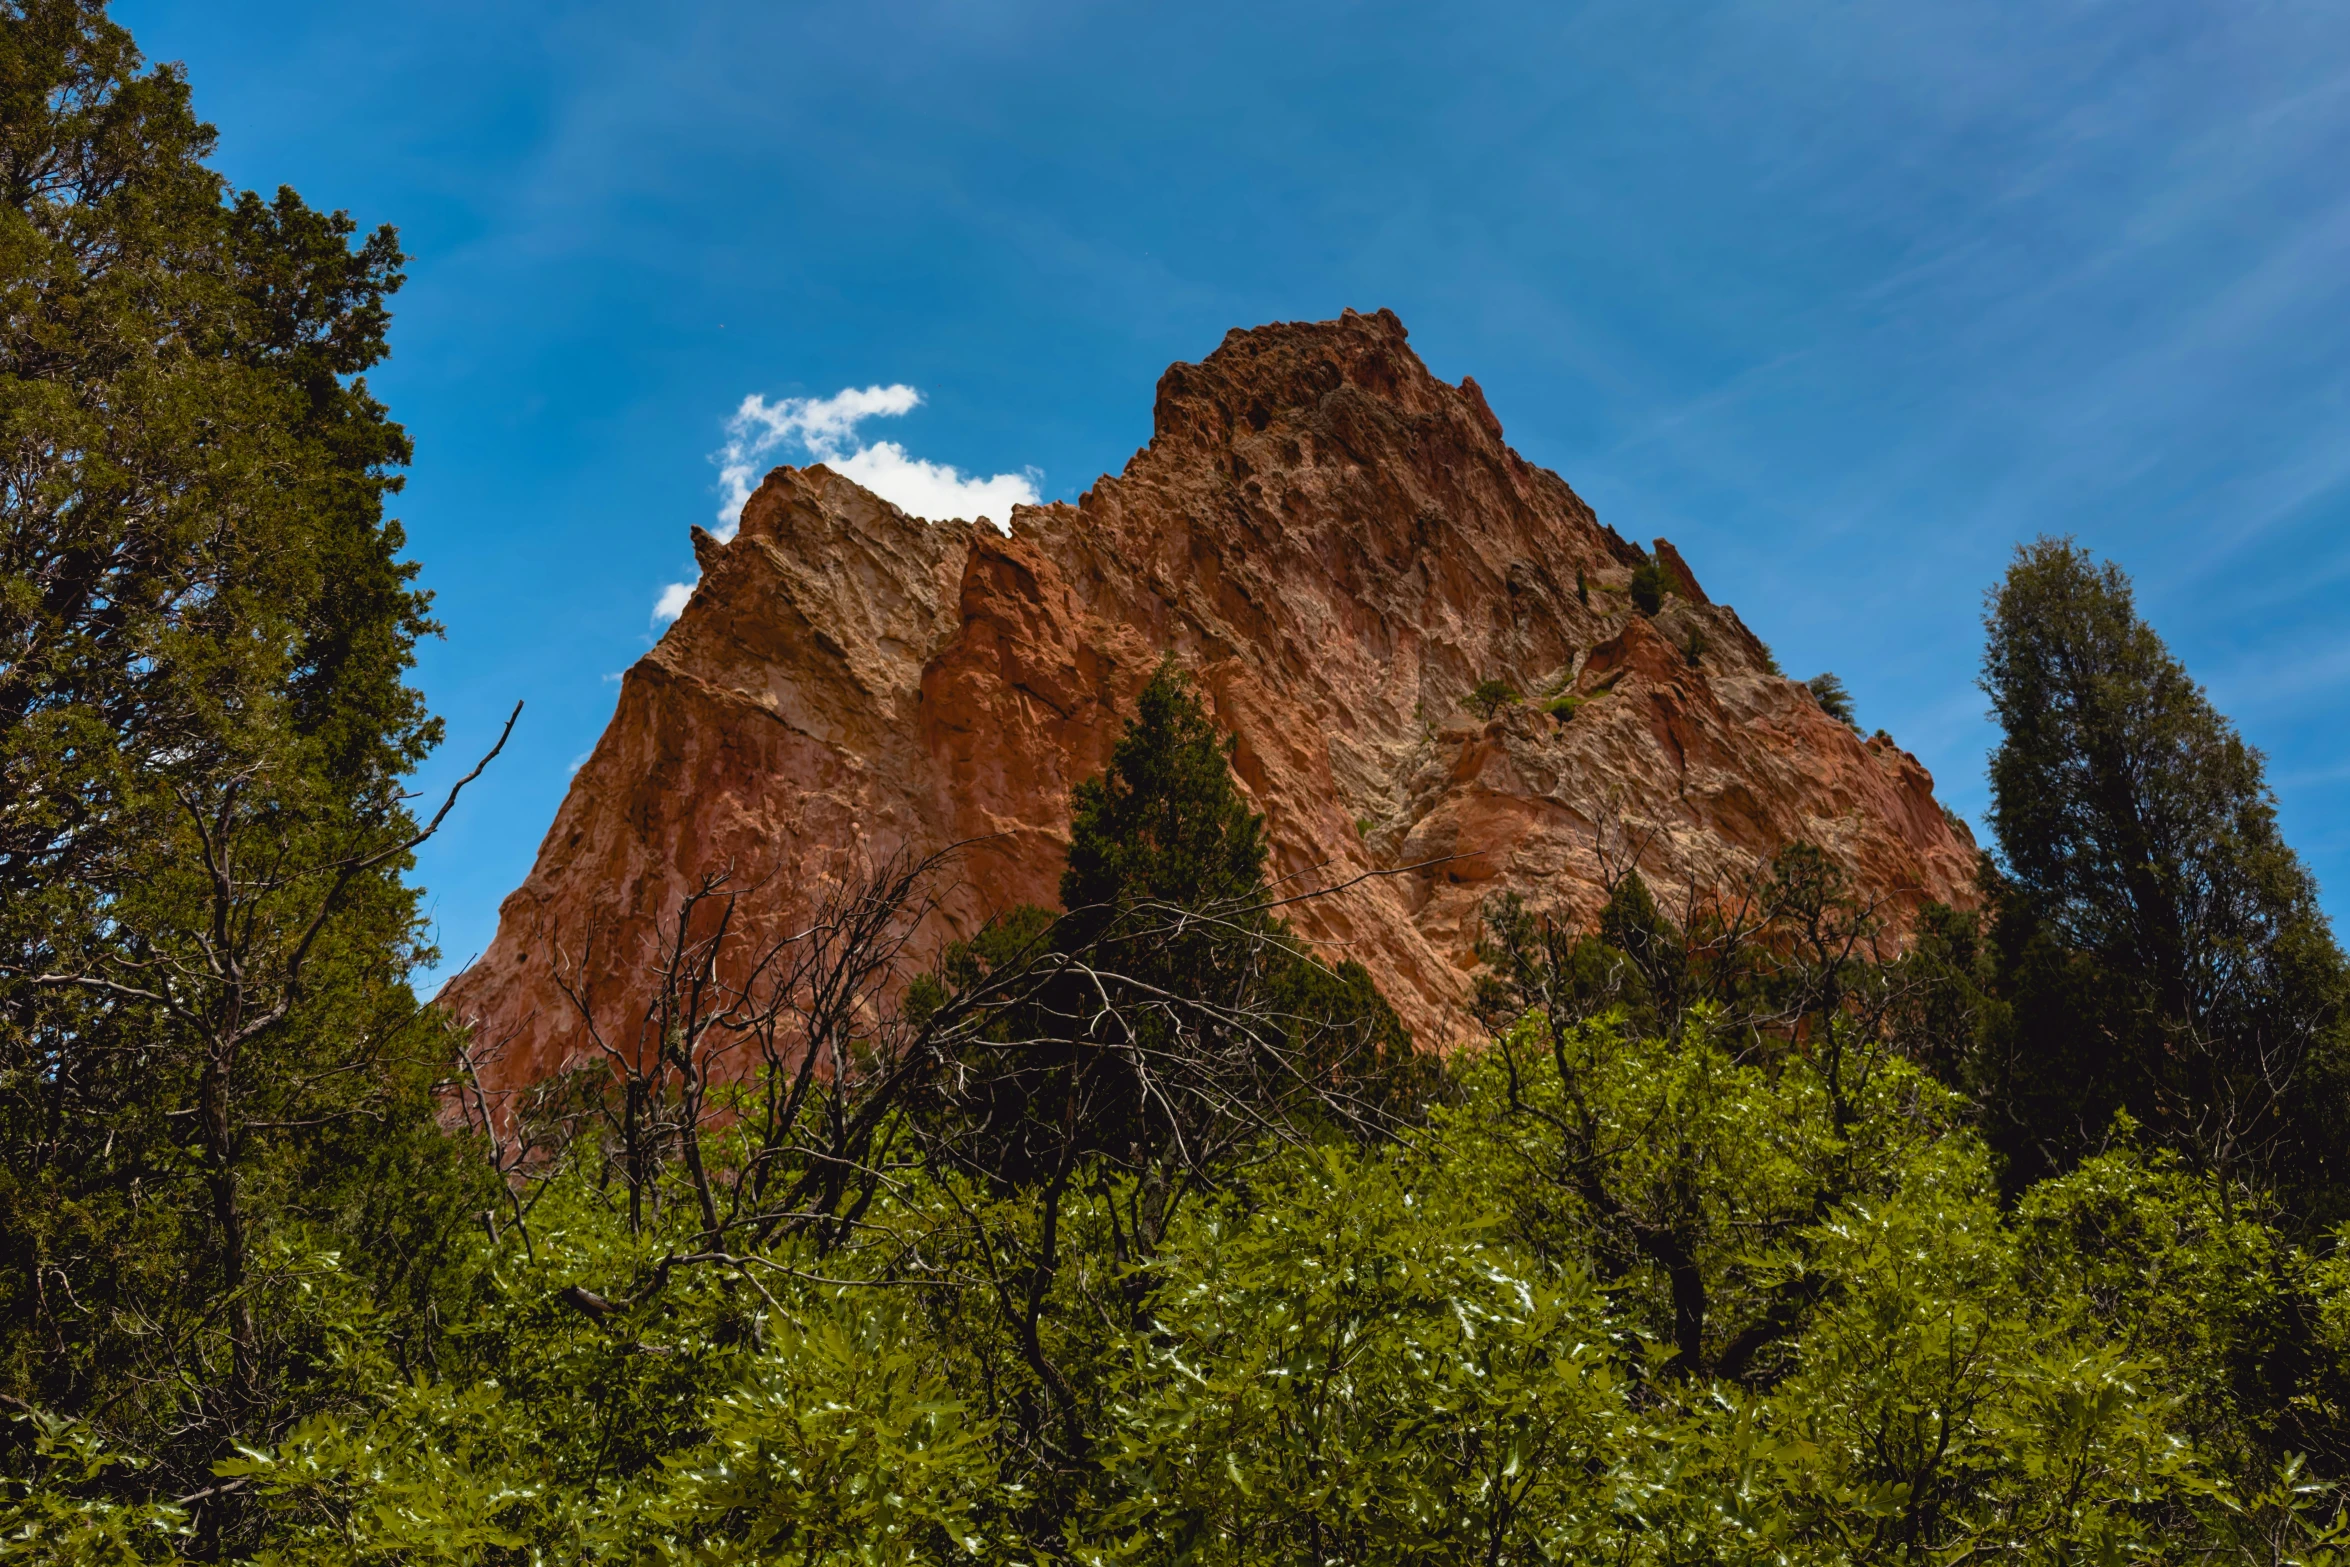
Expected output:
(1354, 1372)
(425, 1476)
(838, 1442)
(843, 1443)
(63, 1504)
(1465, 1344)
(1462, 1350)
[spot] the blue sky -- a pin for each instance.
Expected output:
(1843, 299)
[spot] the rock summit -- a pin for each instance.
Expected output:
(1340, 548)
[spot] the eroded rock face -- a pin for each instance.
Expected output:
(1339, 547)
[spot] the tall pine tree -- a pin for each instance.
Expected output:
(2162, 947)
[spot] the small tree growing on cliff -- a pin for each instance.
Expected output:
(1490, 697)
(1827, 689)
(1650, 583)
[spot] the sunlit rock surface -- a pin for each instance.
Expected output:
(1339, 546)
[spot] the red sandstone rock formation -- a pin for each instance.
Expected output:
(1339, 547)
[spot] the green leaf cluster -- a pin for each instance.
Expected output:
(1623, 1298)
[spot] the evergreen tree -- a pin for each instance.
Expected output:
(1165, 825)
(1945, 995)
(1630, 923)
(1181, 971)
(1828, 689)
(1650, 583)
(209, 1056)
(2162, 947)
(1490, 696)
(1163, 822)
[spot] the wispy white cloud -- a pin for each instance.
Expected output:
(671, 604)
(825, 428)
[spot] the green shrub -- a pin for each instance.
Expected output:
(1490, 697)
(1650, 583)
(1828, 690)
(1562, 708)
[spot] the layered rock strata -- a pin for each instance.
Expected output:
(1339, 547)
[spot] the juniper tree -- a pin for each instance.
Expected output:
(2162, 946)
(1650, 583)
(1192, 1020)
(1827, 688)
(207, 1041)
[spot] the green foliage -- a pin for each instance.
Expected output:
(1490, 696)
(210, 1059)
(841, 1442)
(2255, 1330)
(1792, 947)
(1163, 821)
(2162, 948)
(837, 1440)
(1827, 689)
(1564, 706)
(1354, 1371)
(1630, 923)
(1651, 581)
(72, 1499)
(1947, 995)
(1532, 1329)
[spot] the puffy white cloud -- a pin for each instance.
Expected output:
(826, 429)
(934, 490)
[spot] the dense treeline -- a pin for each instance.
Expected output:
(1127, 1231)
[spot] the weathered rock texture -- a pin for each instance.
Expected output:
(1339, 546)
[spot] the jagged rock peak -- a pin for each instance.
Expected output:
(1340, 547)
